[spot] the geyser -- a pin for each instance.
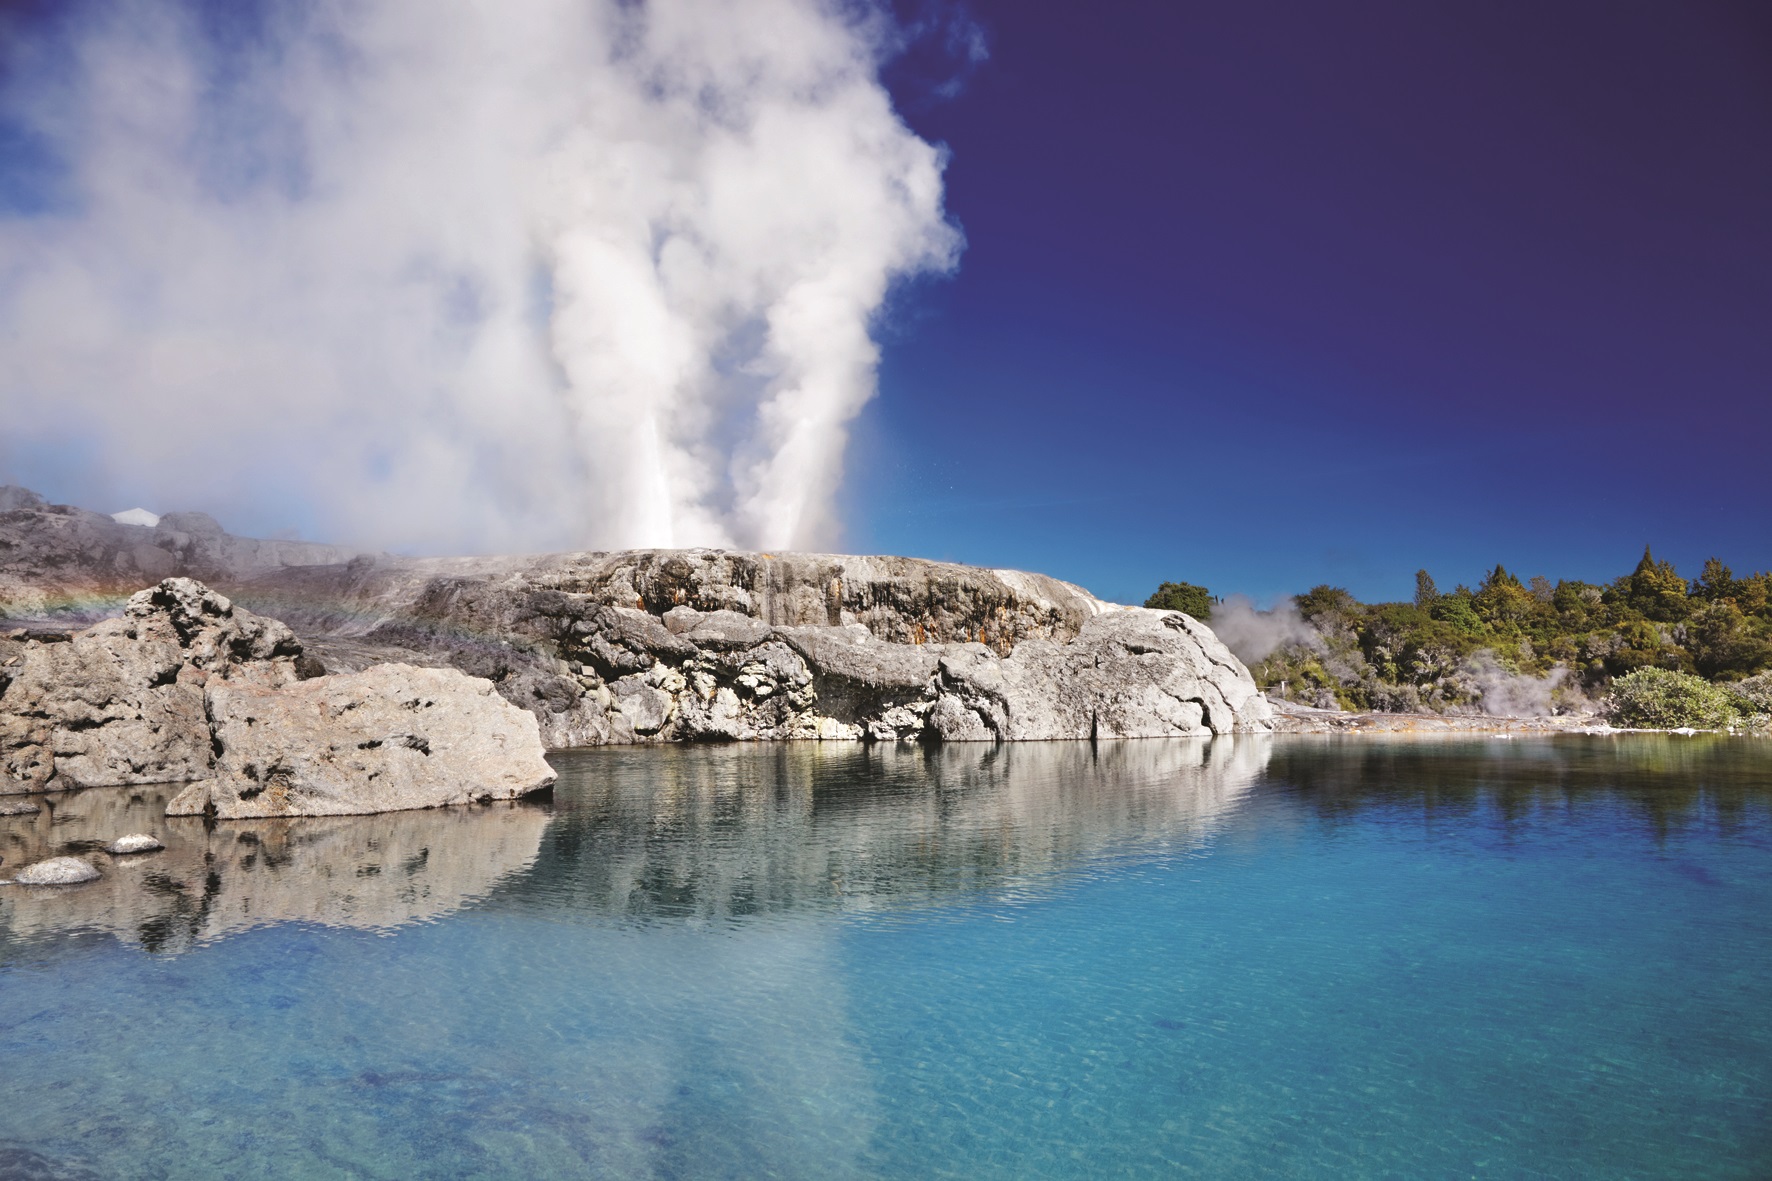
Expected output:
(457, 275)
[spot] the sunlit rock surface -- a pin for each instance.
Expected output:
(385, 739)
(661, 646)
(122, 702)
(370, 872)
(650, 646)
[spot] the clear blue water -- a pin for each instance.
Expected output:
(1291, 958)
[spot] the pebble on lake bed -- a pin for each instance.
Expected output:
(135, 842)
(18, 808)
(57, 871)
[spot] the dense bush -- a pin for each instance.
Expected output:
(1661, 699)
(1183, 596)
(1571, 636)
(1753, 697)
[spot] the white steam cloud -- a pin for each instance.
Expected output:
(1517, 695)
(1253, 634)
(461, 274)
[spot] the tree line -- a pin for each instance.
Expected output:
(1448, 649)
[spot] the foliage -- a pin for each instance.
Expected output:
(1754, 695)
(1661, 699)
(1424, 653)
(1185, 597)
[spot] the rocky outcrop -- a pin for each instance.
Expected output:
(387, 739)
(185, 686)
(673, 645)
(700, 645)
(123, 701)
(1130, 674)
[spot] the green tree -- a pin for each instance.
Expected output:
(1656, 590)
(1723, 643)
(1184, 597)
(1426, 593)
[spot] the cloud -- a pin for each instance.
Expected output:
(447, 274)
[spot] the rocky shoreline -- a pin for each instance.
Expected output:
(679, 645)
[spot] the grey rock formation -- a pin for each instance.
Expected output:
(672, 645)
(1129, 674)
(390, 738)
(57, 871)
(122, 702)
(135, 842)
(659, 646)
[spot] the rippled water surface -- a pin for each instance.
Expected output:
(1264, 958)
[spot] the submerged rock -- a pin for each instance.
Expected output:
(135, 842)
(386, 739)
(57, 871)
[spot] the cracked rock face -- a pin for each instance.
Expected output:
(387, 739)
(122, 702)
(661, 646)
(674, 645)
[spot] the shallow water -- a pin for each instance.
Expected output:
(1352, 957)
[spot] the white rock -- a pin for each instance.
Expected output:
(135, 842)
(136, 516)
(57, 871)
(385, 739)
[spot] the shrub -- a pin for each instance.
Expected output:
(1185, 597)
(1661, 699)
(1754, 695)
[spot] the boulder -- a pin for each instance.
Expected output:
(122, 702)
(1133, 673)
(389, 738)
(135, 842)
(56, 871)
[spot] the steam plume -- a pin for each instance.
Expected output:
(457, 274)
(1253, 634)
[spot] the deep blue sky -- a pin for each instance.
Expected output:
(1261, 295)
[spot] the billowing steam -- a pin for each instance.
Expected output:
(1253, 634)
(1503, 693)
(459, 274)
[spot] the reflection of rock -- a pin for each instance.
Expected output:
(122, 702)
(213, 879)
(767, 829)
(388, 738)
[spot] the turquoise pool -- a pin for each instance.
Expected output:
(1338, 957)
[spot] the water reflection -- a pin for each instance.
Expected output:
(1669, 781)
(721, 832)
(211, 880)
